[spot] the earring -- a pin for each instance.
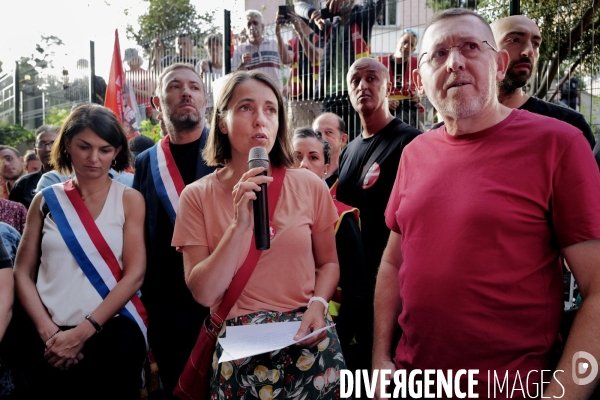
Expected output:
(114, 162)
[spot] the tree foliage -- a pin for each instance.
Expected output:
(439, 5)
(152, 130)
(56, 116)
(33, 67)
(46, 51)
(169, 16)
(14, 135)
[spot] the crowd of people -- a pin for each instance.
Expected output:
(441, 250)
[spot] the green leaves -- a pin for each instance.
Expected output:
(14, 135)
(168, 15)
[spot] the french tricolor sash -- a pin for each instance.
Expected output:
(167, 179)
(89, 248)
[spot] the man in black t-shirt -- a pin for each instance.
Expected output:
(521, 37)
(174, 317)
(367, 171)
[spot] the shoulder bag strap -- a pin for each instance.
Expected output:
(243, 275)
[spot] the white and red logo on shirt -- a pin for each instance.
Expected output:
(371, 176)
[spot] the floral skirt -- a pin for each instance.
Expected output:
(293, 372)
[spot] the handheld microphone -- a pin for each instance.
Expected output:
(259, 157)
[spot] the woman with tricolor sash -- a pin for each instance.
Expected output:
(312, 152)
(80, 265)
(294, 279)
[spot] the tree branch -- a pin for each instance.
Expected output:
(564, 48)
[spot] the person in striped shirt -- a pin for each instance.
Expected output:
(258, 52)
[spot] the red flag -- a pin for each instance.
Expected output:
(119, 96)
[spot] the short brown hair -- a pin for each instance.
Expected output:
(218, 148)
(30, 156)
(5, 147)
(103, 123)
(172, 67)
(45, 129)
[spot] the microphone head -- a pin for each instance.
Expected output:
(258, 157)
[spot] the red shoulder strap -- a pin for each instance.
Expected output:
(243, 275)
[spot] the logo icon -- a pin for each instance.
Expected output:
(590, 364)
(371, 176)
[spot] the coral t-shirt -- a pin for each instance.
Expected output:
(284, 278)
(483, 219)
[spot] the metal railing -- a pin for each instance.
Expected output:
(323, 81)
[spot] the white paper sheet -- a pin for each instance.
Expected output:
(248, 340)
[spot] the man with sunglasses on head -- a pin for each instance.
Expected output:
(481, 212)
(24, 188)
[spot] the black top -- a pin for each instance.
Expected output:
(370, 193)
(164, 277)
(561, 113)
(332, 178)
(352, 281)
(570, 88)
(24, 189)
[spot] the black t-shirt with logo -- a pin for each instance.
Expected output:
(372, 193)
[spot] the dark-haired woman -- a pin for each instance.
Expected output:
(79, 266)
(294, 279)
(311, 152)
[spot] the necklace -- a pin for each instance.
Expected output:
(88, 195)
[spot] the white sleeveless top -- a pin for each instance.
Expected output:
(63, 287)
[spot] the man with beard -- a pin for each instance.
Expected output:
(24, 188)
(521, 38)
(481, 212)
(161, 173)
(11, 168)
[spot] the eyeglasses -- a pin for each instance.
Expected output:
(42, 145)
(470, 50)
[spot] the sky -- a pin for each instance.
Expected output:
(75, 22)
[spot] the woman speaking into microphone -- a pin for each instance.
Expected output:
(291, 281)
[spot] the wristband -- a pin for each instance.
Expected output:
(320, 300)
(54, 334)
(94, 323)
